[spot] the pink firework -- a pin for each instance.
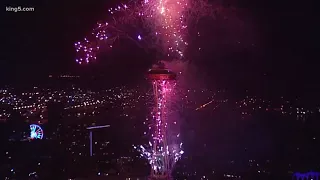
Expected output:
(168, 22)
(159, 24)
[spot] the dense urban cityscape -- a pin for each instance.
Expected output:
(65, 116)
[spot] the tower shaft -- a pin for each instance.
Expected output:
(160, 167)
(162, 85)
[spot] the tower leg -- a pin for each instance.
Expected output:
(90, 143)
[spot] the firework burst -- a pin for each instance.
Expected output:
(152, 24)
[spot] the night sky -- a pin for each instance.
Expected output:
(283, 58)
